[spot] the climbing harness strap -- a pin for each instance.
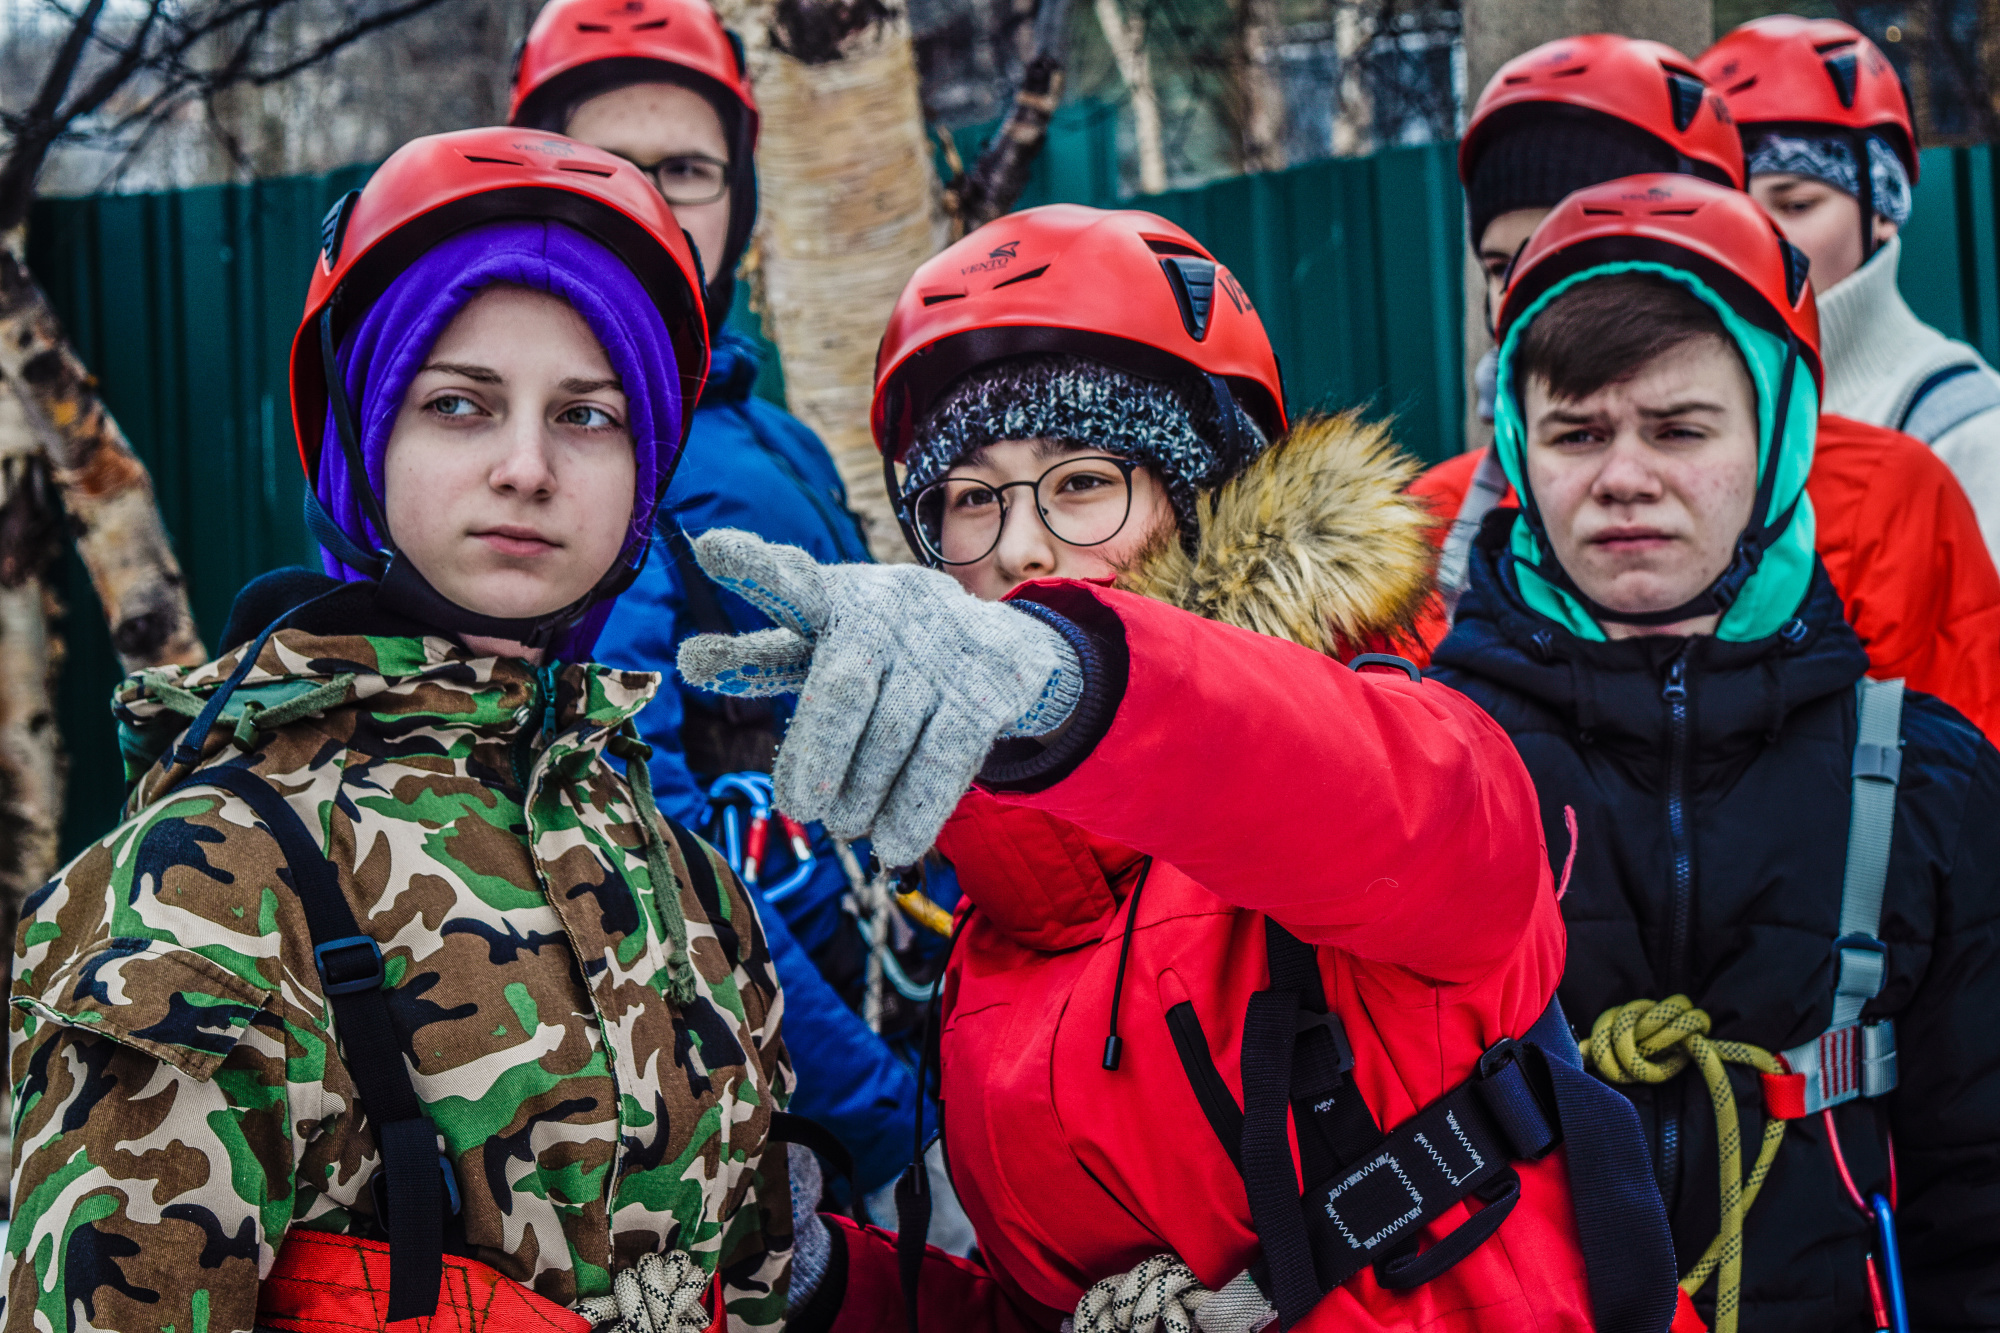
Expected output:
(1947, 399)
(1371, 1194)
(417, 1185)
(1851, 1058)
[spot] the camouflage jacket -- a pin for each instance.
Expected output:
(179, 1097)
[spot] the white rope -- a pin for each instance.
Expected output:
(1161, 1290)
(662, 1293)
(1163, 1293)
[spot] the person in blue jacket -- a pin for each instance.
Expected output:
(664, 87)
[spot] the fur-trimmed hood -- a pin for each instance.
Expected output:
(1318, 541)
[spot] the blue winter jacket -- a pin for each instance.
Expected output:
(753, 466)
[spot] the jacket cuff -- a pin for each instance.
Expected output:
(1097, 638)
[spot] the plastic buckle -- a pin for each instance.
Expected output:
(1878, 1058)
(1878, 763)
(1498, 1056)
(378, 1189)
(1343, 1051)
(1861, 965)
(349, 966)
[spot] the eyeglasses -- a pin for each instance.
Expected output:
(1081, 501)
(687, 178)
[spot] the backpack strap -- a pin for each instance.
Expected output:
(1482, 496)
(418, 1185)
(1851, 1058)
(1947, 399)
(1371, 1194)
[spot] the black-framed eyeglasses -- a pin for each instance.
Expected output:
(687, 178)
(1081, 501)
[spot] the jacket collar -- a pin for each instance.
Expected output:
(733, 365)
(1866, 328)
(391, 683)
(1741, 693)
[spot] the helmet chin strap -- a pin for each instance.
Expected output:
(401, 586)
(1751, 544)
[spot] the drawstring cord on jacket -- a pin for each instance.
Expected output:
(1650, 1041)
(1113, 1047)
(626, 745)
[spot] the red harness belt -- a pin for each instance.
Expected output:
(337, 1284)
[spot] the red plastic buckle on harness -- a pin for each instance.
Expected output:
(324, 1283)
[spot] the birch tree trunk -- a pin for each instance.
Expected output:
(1263, 96)
(1127, 40)
(851, 207)
(1353, 107)
(31, 756)
(105, 489)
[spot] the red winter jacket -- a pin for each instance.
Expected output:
(1901, 544)
(1385, 820)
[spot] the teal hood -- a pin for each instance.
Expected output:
(1767, 582)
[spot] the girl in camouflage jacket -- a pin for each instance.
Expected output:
(584, 993)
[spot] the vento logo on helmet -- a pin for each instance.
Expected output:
(1654, 195)
(998, 257)
(553, 147)
(1233, 289)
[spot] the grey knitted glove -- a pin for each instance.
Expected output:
(905, 681)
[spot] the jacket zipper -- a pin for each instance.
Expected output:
(1681, 909)
(523, 750)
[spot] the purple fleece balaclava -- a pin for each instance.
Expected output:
(390, 343)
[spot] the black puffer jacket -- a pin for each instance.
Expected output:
(1765, 751)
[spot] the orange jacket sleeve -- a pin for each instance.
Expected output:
(1903, 548)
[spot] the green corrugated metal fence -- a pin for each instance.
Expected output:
(184, 305)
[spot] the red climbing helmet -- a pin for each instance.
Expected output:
(1126, 288)
(435, 186)
(1721, 236)
(1646, 85)
(1785, 70)
(617, 40)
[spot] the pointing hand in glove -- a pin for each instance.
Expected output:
(905, 681)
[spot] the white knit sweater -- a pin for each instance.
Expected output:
(1878, 353)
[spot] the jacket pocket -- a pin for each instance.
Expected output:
(154, 996)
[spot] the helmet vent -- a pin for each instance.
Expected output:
(939, 298)
(588, 171)
(1675, 212)
(1571, 72)
(1684, 91)
(652, 25)
(495, 161)
(334, 226)
(1022, 277)
(1193, 281)
(593, 27)
(1840, 68)
(1165, 247)
(1743, 87)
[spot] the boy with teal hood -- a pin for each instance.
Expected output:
(1778, 877)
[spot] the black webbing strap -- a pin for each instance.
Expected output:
(1621, 1221)
(1371, 1205)
(418, 1177)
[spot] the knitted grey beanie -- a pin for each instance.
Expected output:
(1831, 159)
(1173, 426)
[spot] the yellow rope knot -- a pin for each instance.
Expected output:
(1650, 1041)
